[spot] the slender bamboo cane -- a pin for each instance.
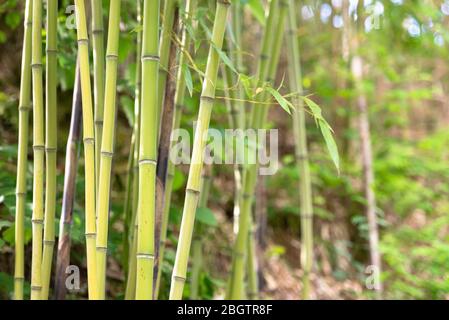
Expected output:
(164, 148)
(131, 229)
(24, 112)
(179, 106)
(107, 143)
(51, 145)
(301, 154)
(193, 183)
(127, 207)
(68, 198)
(164, 48)
(99, 68)
(89, 147)
(39, 152)
(197, 246)
(148, 151)
(267, 72)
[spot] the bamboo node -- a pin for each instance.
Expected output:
(107, 154)
(24, 108)
(90, 235)
(83, 41)
(21, 194)
(179, 278)
(148, 256)
(37, 221)
(247, 196)
(170, 175)
(197, 192)
(97, 31)
(36, 288)
(148, 161)
(102, 249)
(19, 278)
(264, 56)
(89, 140)
(38, 148)
(111, 56)
(52, 51)
(300, 157)
(150, 57)
(36, 65)
(49, 242)
(306, 216)
(51, 150)
(224, 2)
(207, 98)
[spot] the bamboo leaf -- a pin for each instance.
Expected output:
(224, 58)
(256, 8)
(206, 216)
(330, 143)
(284, 103)
(188, 78)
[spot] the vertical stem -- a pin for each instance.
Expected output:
(107, 143)
(164, 148)
(99, 70)
(51, 145)
(267, 69)
(301, 154)
(131, 223)
(24, 112)
(39, 151)
(164, 48)
(89, 147)
(193, 183)
(68, 197)
(179, 106)
(148, 151)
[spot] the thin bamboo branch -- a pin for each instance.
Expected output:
(22, 159)
(193, 183)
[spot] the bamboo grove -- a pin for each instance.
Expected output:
(165, 57)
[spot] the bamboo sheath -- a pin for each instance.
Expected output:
(131, 223)
(267, 71)
(39, 151)
(148, 151)
(301, 154)
(107, 143)
(99, 70)
(179, 106)
(89, 148)
(51, 145)
(68, 198)
(22, 159)
(164, 49)
(194, 180)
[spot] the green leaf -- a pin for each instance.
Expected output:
(284, 103)
(188, 78)
(128, 108)
(257, 10)
(330, 143)
(224, 58)
(206, 216)
(178, 180)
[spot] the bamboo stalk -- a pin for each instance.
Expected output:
(99, 70)
(301, 153)
(266, 72)
(89, 147)
(197, 246)
(22, 160)
(164, 148)
(164, 49)
(179, 106)
(39, 151)
(68, 198)
(193, 184)
(51, 145)
(131, 229)
(107, 143)
(148, 151)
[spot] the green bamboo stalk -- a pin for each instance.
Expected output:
(179, 106)
(266, 72)
(22, 159)
(193, 183)
(39, 151)
(148, 151)
(164, 48)
(197, 246)
(51, 145)
(301, 154)
(253, 283)
(89, 148)
(107, 143)
(99, 70)
(127, 207)
(131, 232)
